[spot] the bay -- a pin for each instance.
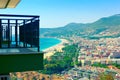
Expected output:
(48, 42)
(44, 42)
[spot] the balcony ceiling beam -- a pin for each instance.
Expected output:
(8, 3)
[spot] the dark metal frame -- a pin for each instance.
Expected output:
(26, 31)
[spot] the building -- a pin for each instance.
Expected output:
(19, 44)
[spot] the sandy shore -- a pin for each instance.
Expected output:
(50, 51)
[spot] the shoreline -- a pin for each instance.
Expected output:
(58, 47)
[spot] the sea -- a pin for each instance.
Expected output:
(48, 42)
(45, 42)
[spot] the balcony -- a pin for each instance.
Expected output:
(19, 43)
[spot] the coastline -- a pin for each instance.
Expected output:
(58, 47)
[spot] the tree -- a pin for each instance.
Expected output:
(104, 76)
(61, 61)
(43, 78)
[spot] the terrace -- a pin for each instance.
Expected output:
(19, 44)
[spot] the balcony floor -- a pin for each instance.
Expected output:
(17, 51)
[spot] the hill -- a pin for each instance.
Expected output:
(104, 27)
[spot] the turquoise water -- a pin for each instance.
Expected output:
(48, 42)
(44, 42)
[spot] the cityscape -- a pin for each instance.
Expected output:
(93, 57)
(59, 40)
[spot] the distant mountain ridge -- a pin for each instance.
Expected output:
(99, 28)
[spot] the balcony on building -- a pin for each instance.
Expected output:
(19, 44)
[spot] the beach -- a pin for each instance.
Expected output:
(58, 47)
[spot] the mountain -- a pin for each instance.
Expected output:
(108, 21)
(99, 28)
(68, 30)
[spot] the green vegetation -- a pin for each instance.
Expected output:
(99, 37)
(116, 65)
(106, 66)
(104, 76)
(61, 61)
(99, 65)
(90, 30)
(13, 78)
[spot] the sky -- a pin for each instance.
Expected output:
(58, 13)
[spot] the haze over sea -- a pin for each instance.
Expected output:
(48, 42)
